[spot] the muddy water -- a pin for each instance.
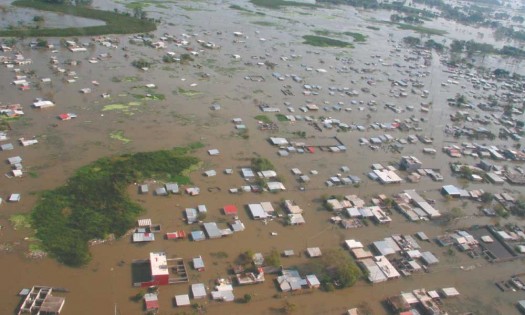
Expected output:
(65, 146)
(22, 17)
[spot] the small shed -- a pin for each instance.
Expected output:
(312, 281)
(422, 236)
(143, 189)
(449, 292)
(198, 235)
(210, 173)
(213, 152)
(202, 209)
(230, 210)
(144, 222)
(198, 290)
(314, 252)
(429, 258)
(198, 263)
(6, 147)
(151, 301)
(288, 253)
(237, 226)
(172, 188)
(182, 300)
(191, 215)
(14, 160)
(161, 191)
(212, 230)
(14, 198)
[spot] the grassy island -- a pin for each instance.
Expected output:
(94, 202)
(116, 23)
(321, 41)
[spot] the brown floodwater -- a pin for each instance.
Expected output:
(106, 283)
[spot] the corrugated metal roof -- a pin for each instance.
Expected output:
(144, 222)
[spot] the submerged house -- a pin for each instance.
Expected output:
(156, 270)
(39, 300)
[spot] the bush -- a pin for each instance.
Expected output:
(141, 63)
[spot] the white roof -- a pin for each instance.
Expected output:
(278, 141)
(144, 222)
(158, 263)
(182, 300)
(375, 274)
(314, 251)
(353, 244)
(449, 292)
(296, 218)
(387, 268)
(267, 206)
(275, 186)
(257, 211)
(487, 239)
(198, 290)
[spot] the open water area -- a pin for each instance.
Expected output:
(184, 116)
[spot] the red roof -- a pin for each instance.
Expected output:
(152, 305)
(230, 209)
(64, 116)
(175, 235)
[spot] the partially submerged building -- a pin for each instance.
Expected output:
(39, 300)
(156, 270)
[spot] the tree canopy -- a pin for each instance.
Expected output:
(94, 203)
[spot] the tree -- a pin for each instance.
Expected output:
(336, 267)
(460, 99)
(273, 258)
(41, 43)
(247, 298)
(137, 12)
(518, 208)
(141, 63)
(486, 197)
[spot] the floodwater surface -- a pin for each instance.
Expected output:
(184, 116)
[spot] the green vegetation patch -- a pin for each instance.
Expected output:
(115, 23)
(94, 202)
(358, 37)
(321, 41)
(374, 28)
(189, 93)
(265, 23)
(144, 4)
(281, 117)
(239, 8)
(421, 29)
(122, 107)
(150, 95)
(335, 269)
(119, 135)
(261, 164)
(263, 118)
(20, 221)
(277, 4)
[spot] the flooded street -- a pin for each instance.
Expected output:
(140, 123)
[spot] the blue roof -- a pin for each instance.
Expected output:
(198, 235)
(451, 190)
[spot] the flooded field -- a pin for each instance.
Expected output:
(131, 119)
(12, 17)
